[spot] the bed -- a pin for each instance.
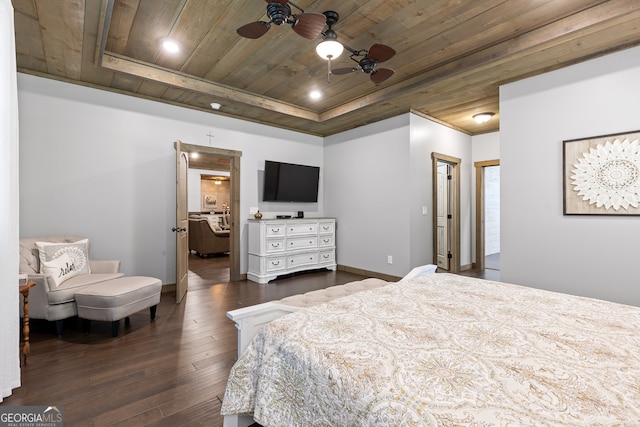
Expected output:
(442, 349)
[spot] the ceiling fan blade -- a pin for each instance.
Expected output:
(381, 74)
(338, 71)
(309, 25)
(254, 30)
(282, 2)
(380, 53)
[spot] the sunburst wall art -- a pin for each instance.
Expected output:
(602, 175)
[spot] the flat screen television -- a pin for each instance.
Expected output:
(287, 182)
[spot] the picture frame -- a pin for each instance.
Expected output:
(209, 202)
(602, 175)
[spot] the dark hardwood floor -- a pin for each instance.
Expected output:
(169, 372)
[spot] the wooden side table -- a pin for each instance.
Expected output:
(24, 290)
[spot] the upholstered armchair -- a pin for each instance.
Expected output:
(53, 298)
(205, 239)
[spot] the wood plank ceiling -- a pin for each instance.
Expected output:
(452, 55)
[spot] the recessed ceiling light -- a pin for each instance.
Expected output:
(315, 94)
(170, 46)
(215, 105)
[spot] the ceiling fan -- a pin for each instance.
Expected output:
(308, 25)
(369, 61)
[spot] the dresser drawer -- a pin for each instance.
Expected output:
(328, 240)
(326, 257)
(294, 229)
(302, 243)
(274, 245)
(275, 263)
(273, 230)
(302, 259)
(327, 227)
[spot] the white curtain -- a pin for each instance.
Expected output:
(9, 201)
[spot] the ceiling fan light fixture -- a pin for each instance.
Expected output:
(329, 49)
(483, 117)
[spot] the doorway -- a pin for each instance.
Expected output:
(446, 208)
(217, 159)
(487, 215)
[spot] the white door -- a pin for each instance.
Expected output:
(182, 223)
(443, 215)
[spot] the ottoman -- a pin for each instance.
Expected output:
(116, 299)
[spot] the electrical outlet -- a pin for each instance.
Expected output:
(389, 259)
(424, 210)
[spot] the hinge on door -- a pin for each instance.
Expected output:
(449, 255)
(449, 216)
(449, 177)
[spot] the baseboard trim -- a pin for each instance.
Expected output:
(167, 288)
(466, 267)
(360, 271)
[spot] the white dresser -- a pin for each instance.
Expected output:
(283, 246)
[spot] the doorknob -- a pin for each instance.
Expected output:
(174, 229)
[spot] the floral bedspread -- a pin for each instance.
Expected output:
(444, 350)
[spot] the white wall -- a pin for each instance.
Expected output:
(102, 165)
(491, 210)
(377, 179)
(429, 137)
(483, 147)
(595, 256)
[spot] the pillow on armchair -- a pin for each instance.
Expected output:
(60, 269)
(77, 251)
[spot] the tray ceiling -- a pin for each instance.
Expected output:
(451, 58)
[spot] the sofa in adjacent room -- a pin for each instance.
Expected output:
(207, 239)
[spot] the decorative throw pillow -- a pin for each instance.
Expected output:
(77, 251)
(60, 269)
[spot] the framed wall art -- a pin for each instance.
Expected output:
(602, 175)
(209, 201)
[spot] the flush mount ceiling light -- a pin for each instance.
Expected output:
(215, 105)
(483, 117)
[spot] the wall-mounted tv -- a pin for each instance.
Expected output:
(287, 182)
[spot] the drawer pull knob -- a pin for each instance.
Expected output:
(275, 230)
(275, 262)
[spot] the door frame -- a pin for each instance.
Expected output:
(454, 162)
(234, 203)
(480, 228)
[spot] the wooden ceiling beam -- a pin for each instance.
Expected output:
(146, 70)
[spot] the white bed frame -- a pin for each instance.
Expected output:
(249, 321)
